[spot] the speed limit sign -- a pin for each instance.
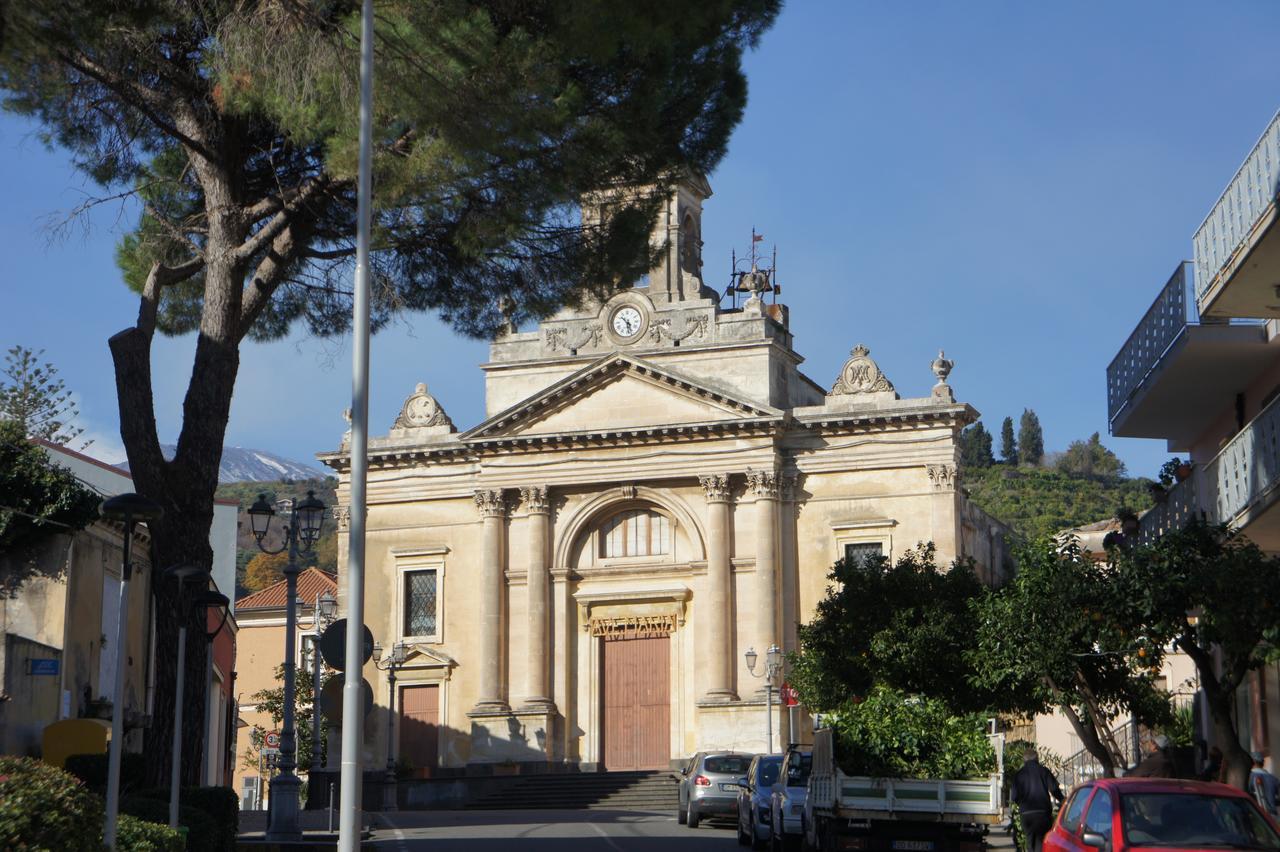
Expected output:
(272, 739)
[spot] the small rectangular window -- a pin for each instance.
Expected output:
(1098, 819)
(420, 603)
(863, 552)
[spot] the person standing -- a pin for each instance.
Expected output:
(1264, 786)
(1157, 764)
(1033, 790)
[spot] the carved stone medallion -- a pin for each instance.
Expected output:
(421, 411)
(861, 375)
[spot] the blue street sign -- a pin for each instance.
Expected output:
(42, 667)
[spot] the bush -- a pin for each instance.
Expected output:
(138, 835)
(218, 803)
(44, 808)
(892, 735)
(92, 770)
(203, 834)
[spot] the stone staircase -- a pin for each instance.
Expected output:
(627, 791)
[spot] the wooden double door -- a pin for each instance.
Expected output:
(420, 727)
(636, 697)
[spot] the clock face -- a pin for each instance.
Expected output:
(627, 322)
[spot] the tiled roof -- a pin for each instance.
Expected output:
(311, 583)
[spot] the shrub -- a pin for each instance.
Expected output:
(92, 770)
(893, 735)
(218, 803)
(138, 835)
(44, 808)
(203, 834)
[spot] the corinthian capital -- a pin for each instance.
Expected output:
(763, 483)
(716, 487)
(534, 498)
(943, 476)
(491, 502)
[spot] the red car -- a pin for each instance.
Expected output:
(1117, 814)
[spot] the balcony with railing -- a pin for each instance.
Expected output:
(1176, 373)
(1237, 248)
(1239, 486)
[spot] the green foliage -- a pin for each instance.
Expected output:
(325, 554)
(38, 500)
(1217, 573)
(1008, 444)
(1181, 727)
(1030, 438)
(907, 626)
(1037, 502)
(220, 804)
(138, 835)
(1057, 635)
(272, 701)
(203, 834)
(1090, 459)
(92, 770)
(890, 734)
(975, 447)
(32, 394)
(44, 808)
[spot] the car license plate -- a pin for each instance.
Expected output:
(729, 788)
(913, 845)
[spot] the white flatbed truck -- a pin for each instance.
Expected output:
(897, 814)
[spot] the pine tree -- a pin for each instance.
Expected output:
(1030, 438)
(1090, 458)
(975, 447)
(32, 394)
(1008, 446)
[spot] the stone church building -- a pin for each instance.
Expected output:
(656, 489)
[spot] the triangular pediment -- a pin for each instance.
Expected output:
(618, 393)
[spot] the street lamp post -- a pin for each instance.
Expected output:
(181, 574)
(325, 610)
(301, 533)
(772, 665)
(394, 661)
(129, 509)
(205, 601)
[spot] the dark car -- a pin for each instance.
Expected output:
(709, 786)
(1119, 814)
(753, 800)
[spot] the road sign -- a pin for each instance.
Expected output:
(331, 699)
(333, 645)
(272, 740)
(42, 667)
(270, 753)
(788, 695)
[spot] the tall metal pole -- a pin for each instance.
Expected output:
(175, 760)
(117, 694)
(352, 706)
(389, 780)
(285, 787)
(315, 702)
(768, 711)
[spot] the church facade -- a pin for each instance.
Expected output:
(657, 488)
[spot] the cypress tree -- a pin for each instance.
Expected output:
(1030, 438)
(1008, 446)
(975, 447)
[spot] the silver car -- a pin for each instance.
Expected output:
(709, 786)
(754, 797)
(789, 795)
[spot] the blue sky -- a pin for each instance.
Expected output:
(1011, 181)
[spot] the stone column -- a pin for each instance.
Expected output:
(537, 690)
(493, 509)
(719, 659)
(764, 484)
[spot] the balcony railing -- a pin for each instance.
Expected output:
(1169, 314)
(1181, 505)
(1251, 192)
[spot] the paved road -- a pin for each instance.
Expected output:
(545, 831)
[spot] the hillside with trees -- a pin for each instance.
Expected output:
(256, 570)
(1039, 493)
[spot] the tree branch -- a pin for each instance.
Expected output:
(288, 207)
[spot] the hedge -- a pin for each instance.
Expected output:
(203, 834)
(92, 770)
(44, 808)
(136, 835)
(220, 803)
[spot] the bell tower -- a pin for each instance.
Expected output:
(678, 275)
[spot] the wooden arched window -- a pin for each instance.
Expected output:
(636, 532)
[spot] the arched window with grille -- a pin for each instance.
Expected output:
(636, 532)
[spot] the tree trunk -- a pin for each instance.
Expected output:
(1089, 738)
(1220, 695)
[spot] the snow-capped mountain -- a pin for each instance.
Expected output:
(241, 464)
